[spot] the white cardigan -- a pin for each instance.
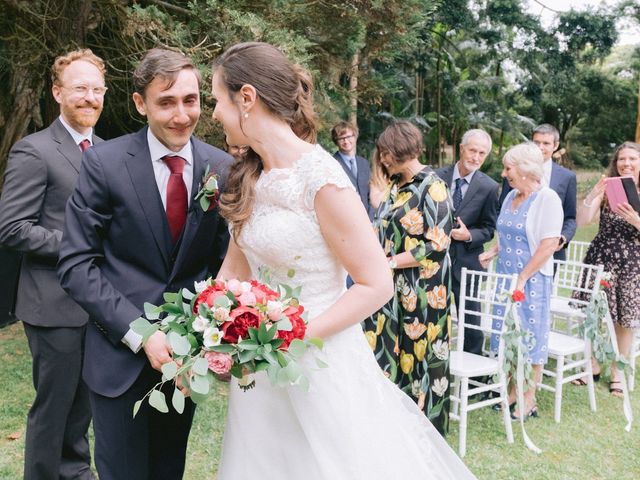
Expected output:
(544, 220)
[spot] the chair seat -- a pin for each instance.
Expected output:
(465, 364)
(562, 306)
(561, 344)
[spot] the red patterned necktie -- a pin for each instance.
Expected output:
(176, 196)
(84, 144)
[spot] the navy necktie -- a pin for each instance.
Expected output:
(457, 193)
(351, 162)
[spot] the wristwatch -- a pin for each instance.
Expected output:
(392, 263)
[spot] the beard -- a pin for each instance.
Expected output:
(78, 117)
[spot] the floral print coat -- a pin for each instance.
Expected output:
(410, 334)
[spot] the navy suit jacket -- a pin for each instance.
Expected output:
(564, 183)
(117, 253)
(362, 182)
(478, 211)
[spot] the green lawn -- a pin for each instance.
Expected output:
(585, 445)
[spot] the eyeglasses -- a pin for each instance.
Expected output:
(83, 90)
(346, 137)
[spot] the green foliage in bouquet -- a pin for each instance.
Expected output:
(227, 327)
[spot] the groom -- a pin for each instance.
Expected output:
(134, 231)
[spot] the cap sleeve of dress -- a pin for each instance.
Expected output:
(317, 170)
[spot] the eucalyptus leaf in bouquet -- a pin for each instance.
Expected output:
(228, 327)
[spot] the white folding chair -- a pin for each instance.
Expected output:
(470, 371)
(576, 251)
(571, 351)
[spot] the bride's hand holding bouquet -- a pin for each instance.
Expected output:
(225, 327)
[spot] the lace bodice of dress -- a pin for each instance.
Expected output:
(283, 233)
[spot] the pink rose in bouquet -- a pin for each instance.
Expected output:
(232, 327)
(219, 363)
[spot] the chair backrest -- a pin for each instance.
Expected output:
(577, 250)
(576, 281)
(484, 294)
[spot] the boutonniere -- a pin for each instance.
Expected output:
(208, 193)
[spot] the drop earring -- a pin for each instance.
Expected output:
(246, 115)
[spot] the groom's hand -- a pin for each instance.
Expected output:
(157, 350)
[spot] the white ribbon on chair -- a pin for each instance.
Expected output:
(626, 401)
(520, 379)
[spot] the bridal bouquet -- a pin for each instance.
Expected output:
(227, 327)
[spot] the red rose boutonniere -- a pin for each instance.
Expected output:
(208, 193)
(517, 296)
(605, 284)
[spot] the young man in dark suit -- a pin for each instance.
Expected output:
(560, 179)
(133, 231)
(345, 136)
(41, 172)
(475, 200)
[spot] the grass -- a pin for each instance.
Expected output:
(585, 445)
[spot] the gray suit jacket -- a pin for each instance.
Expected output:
(362, 182)
(41, 173)
(478, 211)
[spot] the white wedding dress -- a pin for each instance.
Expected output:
(353, 423)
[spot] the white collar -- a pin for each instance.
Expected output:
(77, 136)
(157, 150)
(456, 174)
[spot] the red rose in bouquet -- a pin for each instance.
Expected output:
(236, 327)
(299, 326)
(242, 319)
(209, 295)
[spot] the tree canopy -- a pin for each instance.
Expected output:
(447, 65)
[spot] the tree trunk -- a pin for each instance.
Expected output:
(638, 114)
(501, 143)
(25, 91)
(439, 110)
(353, 88)
(35, 39)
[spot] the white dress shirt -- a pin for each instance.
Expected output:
(77, 136)
(546, 168)
(161, 169)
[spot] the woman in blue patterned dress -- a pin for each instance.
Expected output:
(529, 227)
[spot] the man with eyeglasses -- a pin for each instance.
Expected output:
(41, 172)
(345, 136)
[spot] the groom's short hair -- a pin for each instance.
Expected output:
(163, 63)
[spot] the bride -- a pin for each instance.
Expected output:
(290, 206)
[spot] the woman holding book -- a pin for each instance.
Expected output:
(617, 247)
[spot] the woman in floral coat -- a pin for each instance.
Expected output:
(410, 335)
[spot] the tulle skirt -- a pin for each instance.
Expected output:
(352, 423)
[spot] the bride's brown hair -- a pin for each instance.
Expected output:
(286, 90)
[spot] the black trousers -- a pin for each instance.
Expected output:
(56, 443)
(151, 446)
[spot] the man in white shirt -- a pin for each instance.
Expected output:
(134, 231)
(560, 179)
(41, 172)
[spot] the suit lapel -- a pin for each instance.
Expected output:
(146, 189)
(195, 212)
(346, 168)
(555, 178)
(448, 176)
(471, 191)
(66, 146)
